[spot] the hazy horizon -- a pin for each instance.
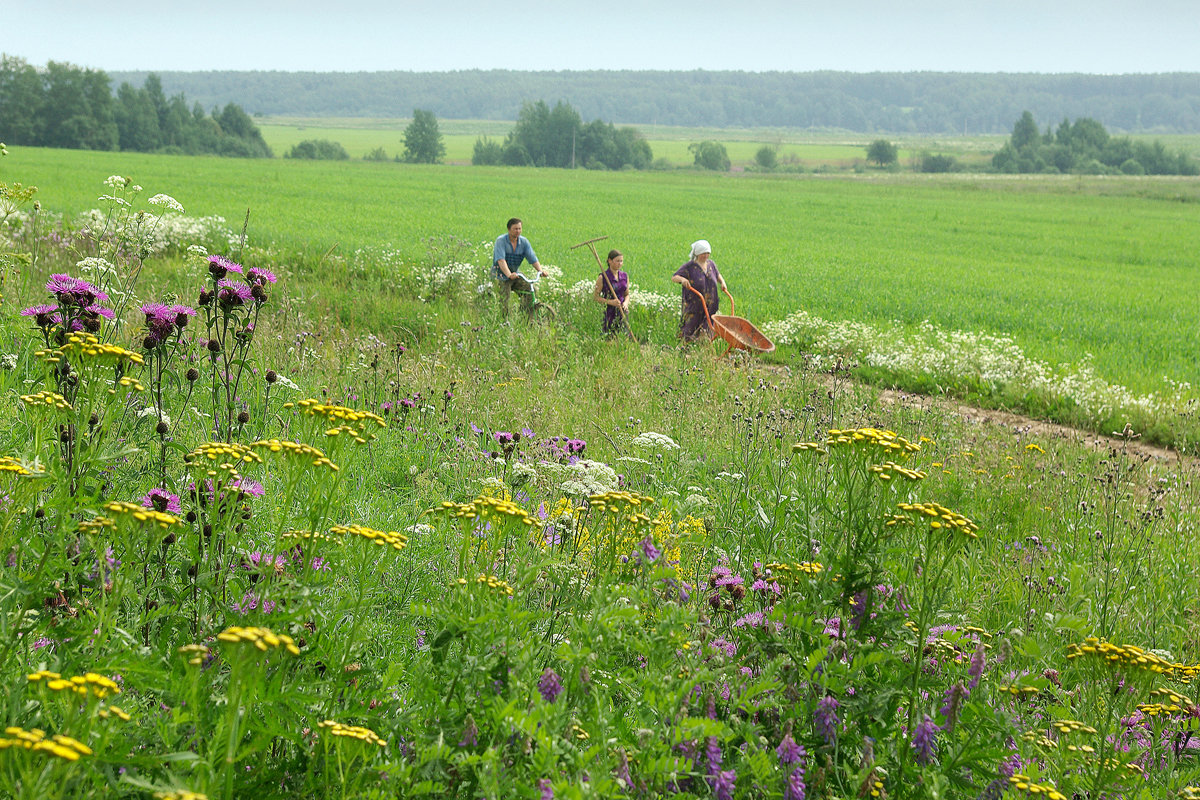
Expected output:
(1015, 36)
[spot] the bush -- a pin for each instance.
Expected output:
(711, 155)
(318, 150)
(487, 153)
(937, 163)
(767, 157)
(378, 154)
(1131, 166)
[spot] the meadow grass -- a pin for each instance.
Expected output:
(1066, 266)
(546, 564)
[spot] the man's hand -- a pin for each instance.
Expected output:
(685, 283)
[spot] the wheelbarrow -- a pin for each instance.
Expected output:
(739, 333)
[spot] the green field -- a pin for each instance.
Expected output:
(1067, 266)
(796, 147)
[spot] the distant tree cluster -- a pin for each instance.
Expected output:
(318, 150)
(68, 106)
(873, 103)
(1085, 147)
(710, 155)
(558, 137)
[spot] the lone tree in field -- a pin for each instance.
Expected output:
(422, 140)
(882, 152)
(710, 155)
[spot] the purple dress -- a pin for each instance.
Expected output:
(612, 318)
(692, 323)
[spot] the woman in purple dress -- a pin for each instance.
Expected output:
(702, 275)
(612, 290)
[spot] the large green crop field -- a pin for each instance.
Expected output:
(794, 147)
(1066, 266)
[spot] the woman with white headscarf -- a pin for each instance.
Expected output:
(701, 274)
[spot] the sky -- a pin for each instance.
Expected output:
(1048, 36)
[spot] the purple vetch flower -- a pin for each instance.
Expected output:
(550, 685)
(420, 638)
(952, 704)
(712, 755)
(546, 788)
(825, 718)
(795, 785)
(975, 671)
(723, 784)
(470, 734)
(788, 751)
(924, 740)
(648, 549)
(163, 501)
(624, 779)
(475, 429)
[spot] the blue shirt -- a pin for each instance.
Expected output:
(513, 255)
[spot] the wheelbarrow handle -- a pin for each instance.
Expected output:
(704, 304)
(727, 294)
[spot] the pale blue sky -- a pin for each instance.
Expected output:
(1096, 36)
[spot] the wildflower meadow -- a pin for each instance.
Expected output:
(254, 547)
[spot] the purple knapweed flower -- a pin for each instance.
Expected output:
(924, 740)
(260, 276)
(232, 295)
(550, 685)
(219, 266)
(825, 718)
(44, 316)
(163, 501)
(248, 487)
(74, 291)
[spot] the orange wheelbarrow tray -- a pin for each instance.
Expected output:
(739, 333)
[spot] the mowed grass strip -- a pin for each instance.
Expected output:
(1067, 266)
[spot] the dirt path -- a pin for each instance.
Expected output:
(1020, 425)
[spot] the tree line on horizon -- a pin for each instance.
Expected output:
(64, 105)
(558, 137)
(914, 102)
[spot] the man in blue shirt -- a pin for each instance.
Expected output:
(511, 249)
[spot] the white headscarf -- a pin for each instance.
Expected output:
(701, 246)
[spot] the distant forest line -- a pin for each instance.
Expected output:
(917, 102)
